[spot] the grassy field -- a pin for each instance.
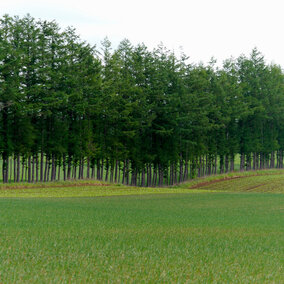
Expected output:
(190, 233)
(259, 181)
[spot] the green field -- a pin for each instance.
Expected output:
(209, 234)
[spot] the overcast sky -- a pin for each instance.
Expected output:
(204, 28)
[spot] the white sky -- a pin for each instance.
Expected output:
(204, 28)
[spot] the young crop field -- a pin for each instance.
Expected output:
(219, 230)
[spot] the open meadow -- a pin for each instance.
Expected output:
(223, 229)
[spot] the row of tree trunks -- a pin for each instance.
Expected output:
(259, 160)
(51, 169)
(45, 168)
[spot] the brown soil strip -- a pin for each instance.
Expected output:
(256, 186)
(51, 186)
(215, 181)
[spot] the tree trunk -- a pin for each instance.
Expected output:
(143, 177)
(193, 166)
(133, 177)
(98, 169)
(48, 169)
(280, 159)
(59, 171)
(11, 169)
(154, 176)
(93, 172)
(18, 167)
(93, 161)
(29, 169)
(88, 168)
(161, 175)
(33, 168)
(209, 164)
(248, 162)
(226, 163)
(23, 168)
(221, 164)
(181, 169)
(119, 172)
(127, 172)
(5, 167)
(149, 175)
(203, 166)
(116, 171)
(261, 156)
(185, 176)
(26, 172)
(272, 160)
(15, 168)
(4, 138)
(69, 167)
(75, 171)
(123, 172)
(45, 169)
(232, 162)
(36, 167)
(82, 167)
(175, 173)
(111, 171)
(242, 162)
(267, 161)
(102, 170)
(107, 169)
(41, 166)
(138, 178)
(171, 173)
(52, 167)
(64, 166)
(257, 161)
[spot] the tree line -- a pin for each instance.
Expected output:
(130, 115)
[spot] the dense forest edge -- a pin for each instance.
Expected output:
(130, 115)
